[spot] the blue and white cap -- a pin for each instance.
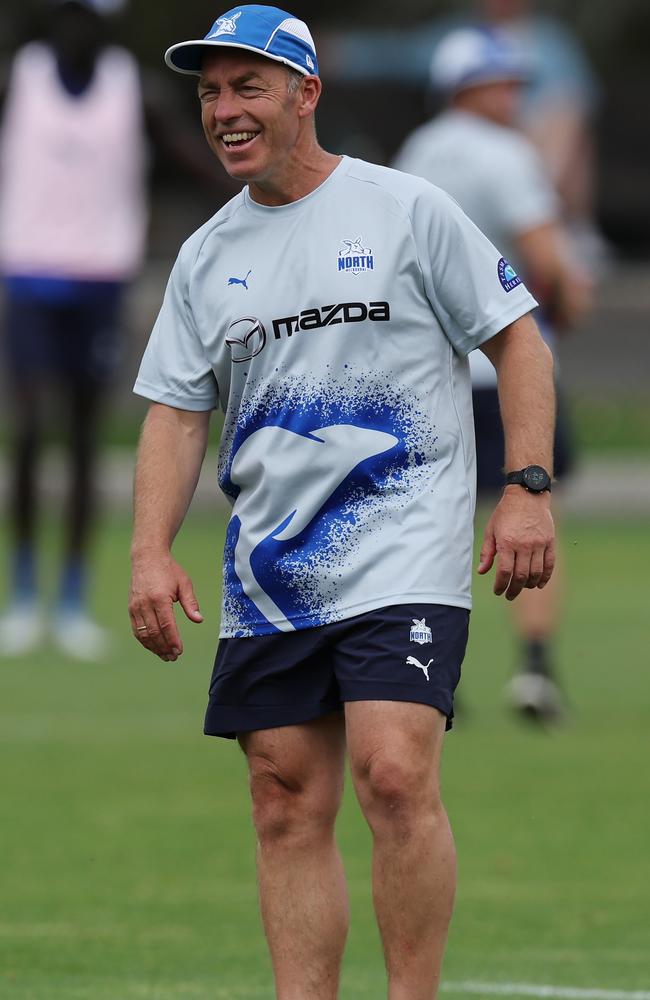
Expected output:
(268, 31)
(469, 57)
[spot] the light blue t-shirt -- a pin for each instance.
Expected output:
(333, 333)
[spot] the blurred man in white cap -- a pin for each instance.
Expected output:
(474, 152)
(328, 310)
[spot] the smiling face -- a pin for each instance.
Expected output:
(255, 118)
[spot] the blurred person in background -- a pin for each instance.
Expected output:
(556, 111)
(474, 152)
(557, 105)
(73, 221)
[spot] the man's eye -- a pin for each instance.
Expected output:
(250, 90)
(208, 95)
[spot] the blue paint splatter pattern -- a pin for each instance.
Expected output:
(308, 573)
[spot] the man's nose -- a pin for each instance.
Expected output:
(228, 107)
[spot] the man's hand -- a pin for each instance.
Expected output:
(521, 535)
(156, 585)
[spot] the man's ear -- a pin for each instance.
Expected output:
(310, 91)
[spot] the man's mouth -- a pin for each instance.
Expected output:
(238, 140)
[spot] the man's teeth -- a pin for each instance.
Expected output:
(238, 136)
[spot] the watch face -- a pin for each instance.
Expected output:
(536, 478)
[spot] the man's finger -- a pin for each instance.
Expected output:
(505, 567)
(145, 629)
(188, 601)
(488, 552)
(170, 634)
(167, 634)
(153, 637)
(520, 574)
(549, 564)
(536, 569)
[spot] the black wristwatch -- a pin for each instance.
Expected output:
(533, 478)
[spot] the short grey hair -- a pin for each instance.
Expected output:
(294, 79)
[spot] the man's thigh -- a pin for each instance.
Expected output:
(402, 738)
(307, 759)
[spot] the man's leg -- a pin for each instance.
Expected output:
(25, 362)
(394, 751)
(84, 402)
(26, 407)
(296, 780)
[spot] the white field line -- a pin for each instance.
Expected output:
(552, 992)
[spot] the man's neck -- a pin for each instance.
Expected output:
(296, 179)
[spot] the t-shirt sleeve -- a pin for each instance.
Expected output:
(174, 369)
(472, 289)
(523, 196)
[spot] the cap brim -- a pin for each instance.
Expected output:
(187, 57)
(482, 79)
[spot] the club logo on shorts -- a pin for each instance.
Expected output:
(225, 25)
(354, 257)
(414, 662)
(507, 275)
(420, 632)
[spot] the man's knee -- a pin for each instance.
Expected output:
(399, 791)
(288, 806)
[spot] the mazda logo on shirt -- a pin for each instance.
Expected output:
(246, 338)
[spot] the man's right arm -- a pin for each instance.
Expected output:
(170, 455)
(563, 289)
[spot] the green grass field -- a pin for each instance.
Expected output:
(126, 849)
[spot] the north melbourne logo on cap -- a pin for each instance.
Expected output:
(225, 25)
(269, 31)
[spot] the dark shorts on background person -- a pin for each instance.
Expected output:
(66, 330)
(405, 652)
(490, 443)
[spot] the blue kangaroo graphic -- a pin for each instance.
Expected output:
(268, 509)
(240, 281)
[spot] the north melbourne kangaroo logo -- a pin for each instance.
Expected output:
(420, 632)
(226, 25)
(240, 281)
(354, 257)
(413, 662)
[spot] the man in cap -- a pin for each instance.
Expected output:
(328, 310)
(481, 74)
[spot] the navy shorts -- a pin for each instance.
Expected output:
(490, 443)
(72, 338)
(406, 652)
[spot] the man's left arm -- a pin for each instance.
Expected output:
(520, 536)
